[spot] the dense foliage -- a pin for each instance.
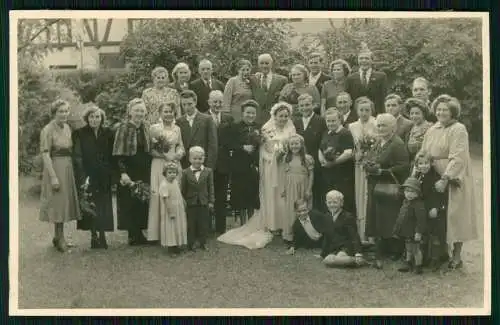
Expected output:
(446, 52)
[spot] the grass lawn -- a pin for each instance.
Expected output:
(224, 277)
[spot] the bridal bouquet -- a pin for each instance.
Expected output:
(365, 146)
(281, 150)
(160, 143)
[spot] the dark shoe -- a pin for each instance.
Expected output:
(435, 265)
(54, 242)
(61, 246)
(190, 248)
(454, 265)
(378, 265)
(102, 243)
(204, 247)
(406, 267)
(94, 243)
(418, 269)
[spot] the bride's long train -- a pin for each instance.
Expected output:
(252, 235)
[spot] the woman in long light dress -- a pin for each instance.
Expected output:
(447, 142)
(170, 133)
(364, 127)
(258, 231)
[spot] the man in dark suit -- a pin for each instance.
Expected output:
(224, 123)
(368, 82)
(316, 75)
(307, 228)
(393, 106)
(205, 84)
(197, 129)
(344, 105)
(197, 188)
(311, 127)
(341, 241)
(269, 87)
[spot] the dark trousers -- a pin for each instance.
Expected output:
(198, 218)
(221, 184)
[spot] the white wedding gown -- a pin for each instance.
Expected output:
(255, 233)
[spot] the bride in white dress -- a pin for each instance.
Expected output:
(257, 232)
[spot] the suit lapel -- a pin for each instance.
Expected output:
(273, 84)
(196, 124)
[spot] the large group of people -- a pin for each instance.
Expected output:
(328, 161)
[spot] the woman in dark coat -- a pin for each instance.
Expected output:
(93, 160)
(131, 149)
(389, 165)
(245, 162)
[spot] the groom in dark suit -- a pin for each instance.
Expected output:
(311, 127)
(197, 129)
(368, 82)
(269, 87)
(205, 84)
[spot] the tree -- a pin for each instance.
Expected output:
(165, 42)
(447, 52)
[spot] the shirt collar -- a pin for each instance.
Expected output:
(214, 114)
(308, 118)
(347, 114)
(193, 169)
(190, 117)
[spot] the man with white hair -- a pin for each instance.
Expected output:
(224, 123)
(341, 243)
(205, 84)
(269, 87)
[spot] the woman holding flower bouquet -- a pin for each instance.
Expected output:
(132, 150)
(239, 89)
(245, 162)
(258, 231)
(299, 85)
(336, 159)
(166, 146)
(93, 161)
(363, 132)
(387, 166)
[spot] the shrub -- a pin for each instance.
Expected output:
(37, 90)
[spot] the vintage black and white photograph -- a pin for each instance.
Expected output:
(249, 163)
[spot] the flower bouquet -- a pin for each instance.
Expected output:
(330, 154)
(280, 150)
(87, 204)
(160, 143)
(140, 190)
(254, 138)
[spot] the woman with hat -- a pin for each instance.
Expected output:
(410, 225)
(418, 111)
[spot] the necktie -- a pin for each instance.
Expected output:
(208, 83)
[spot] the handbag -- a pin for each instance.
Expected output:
(388, 189)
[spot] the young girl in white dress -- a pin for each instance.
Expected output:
(361, 130)
(269, 219)
(173, 222)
